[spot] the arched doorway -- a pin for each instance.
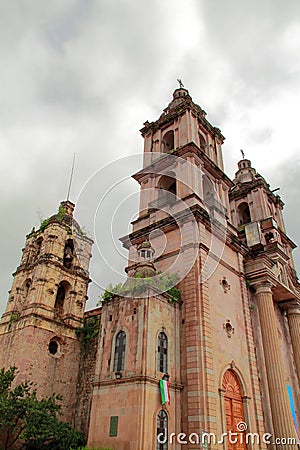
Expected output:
(234, 410)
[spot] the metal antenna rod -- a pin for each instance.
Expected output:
(71, 176)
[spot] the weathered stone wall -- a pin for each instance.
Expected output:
(26, 346)
(133, 394)
(87, 364)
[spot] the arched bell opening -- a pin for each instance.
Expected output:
(168, 141)
(244, 213)
(61, 293)
(167, 189)
(202, 143)
(69, 253)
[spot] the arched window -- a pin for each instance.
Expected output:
(162, 431)
(244, 213)
(120, 348)
(162, 353)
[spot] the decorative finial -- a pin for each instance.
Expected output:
(180, 83)
(243, 154)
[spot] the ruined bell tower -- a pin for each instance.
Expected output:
(46, 305)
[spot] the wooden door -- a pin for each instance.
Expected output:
(233, 408)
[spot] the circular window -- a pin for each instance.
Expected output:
(228, 328)
(53, 347)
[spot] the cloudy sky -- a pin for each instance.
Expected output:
(82, 76)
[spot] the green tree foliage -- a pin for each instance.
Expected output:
(61, 213)
(29, 423)
(163, 282)
(89, 330)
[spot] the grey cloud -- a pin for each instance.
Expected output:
(287, 176)
(83, 76)
(249, 39)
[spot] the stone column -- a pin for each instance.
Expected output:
(280, 408)
(293, 315)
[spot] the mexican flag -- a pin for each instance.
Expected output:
(165, 391)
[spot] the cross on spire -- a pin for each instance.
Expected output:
(180, 83)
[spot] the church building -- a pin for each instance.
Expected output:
(200, 347)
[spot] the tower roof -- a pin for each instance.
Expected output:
(181, 102)
(64, 216)
(247, 178)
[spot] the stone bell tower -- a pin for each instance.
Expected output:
(185, 195)
(275, 295)
(208, 337)
(46, 305)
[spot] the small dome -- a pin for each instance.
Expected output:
(180, 92)
(144, 270)
(144, 245)
(244, 163)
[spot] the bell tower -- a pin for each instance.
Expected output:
(185, 214)
(275, 293)
(183, 131)
(181, 123)
(46, 305)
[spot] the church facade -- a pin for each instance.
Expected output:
(211, 307)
